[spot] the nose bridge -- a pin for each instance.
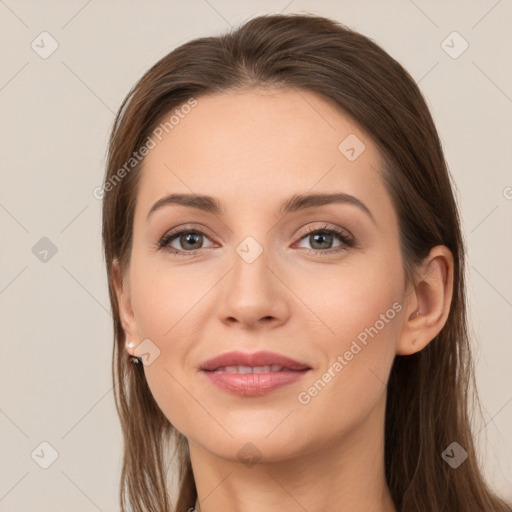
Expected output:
(250, 265)
(254, 251)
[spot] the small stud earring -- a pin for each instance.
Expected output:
(130, 345)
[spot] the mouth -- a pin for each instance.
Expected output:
(253, 374)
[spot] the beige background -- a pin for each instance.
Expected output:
(57, 111)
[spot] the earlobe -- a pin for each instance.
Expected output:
(123, 295)
(429, 302)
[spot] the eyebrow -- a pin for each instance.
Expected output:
(292, 204)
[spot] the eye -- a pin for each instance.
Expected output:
(189, 240)
(320, 237)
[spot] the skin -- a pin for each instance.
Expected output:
(252, 150)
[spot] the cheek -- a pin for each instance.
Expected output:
(165, 298)
(358, 313)
(169, 310)
(358, 300)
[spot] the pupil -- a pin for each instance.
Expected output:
(190, 238)
(315, 237)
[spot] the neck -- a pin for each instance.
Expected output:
(345, 475)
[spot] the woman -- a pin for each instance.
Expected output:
(284, 373)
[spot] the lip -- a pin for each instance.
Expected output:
(253, 384)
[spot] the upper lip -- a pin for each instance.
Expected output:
(254, 359)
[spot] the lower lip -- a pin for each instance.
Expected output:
(253, 384)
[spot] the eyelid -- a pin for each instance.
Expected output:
(187, 228)
(327, 227)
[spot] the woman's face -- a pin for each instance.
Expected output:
(263, 277)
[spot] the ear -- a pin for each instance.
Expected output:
(123, 294)
(427, 303)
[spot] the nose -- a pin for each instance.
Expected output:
(254, 293)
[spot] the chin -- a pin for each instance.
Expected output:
(255, 442)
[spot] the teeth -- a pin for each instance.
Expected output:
(252, 369)
(261, 369)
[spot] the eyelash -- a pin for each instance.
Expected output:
(347, 240)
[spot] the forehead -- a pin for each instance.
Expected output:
(249, 148)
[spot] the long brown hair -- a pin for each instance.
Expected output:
(430, 393)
